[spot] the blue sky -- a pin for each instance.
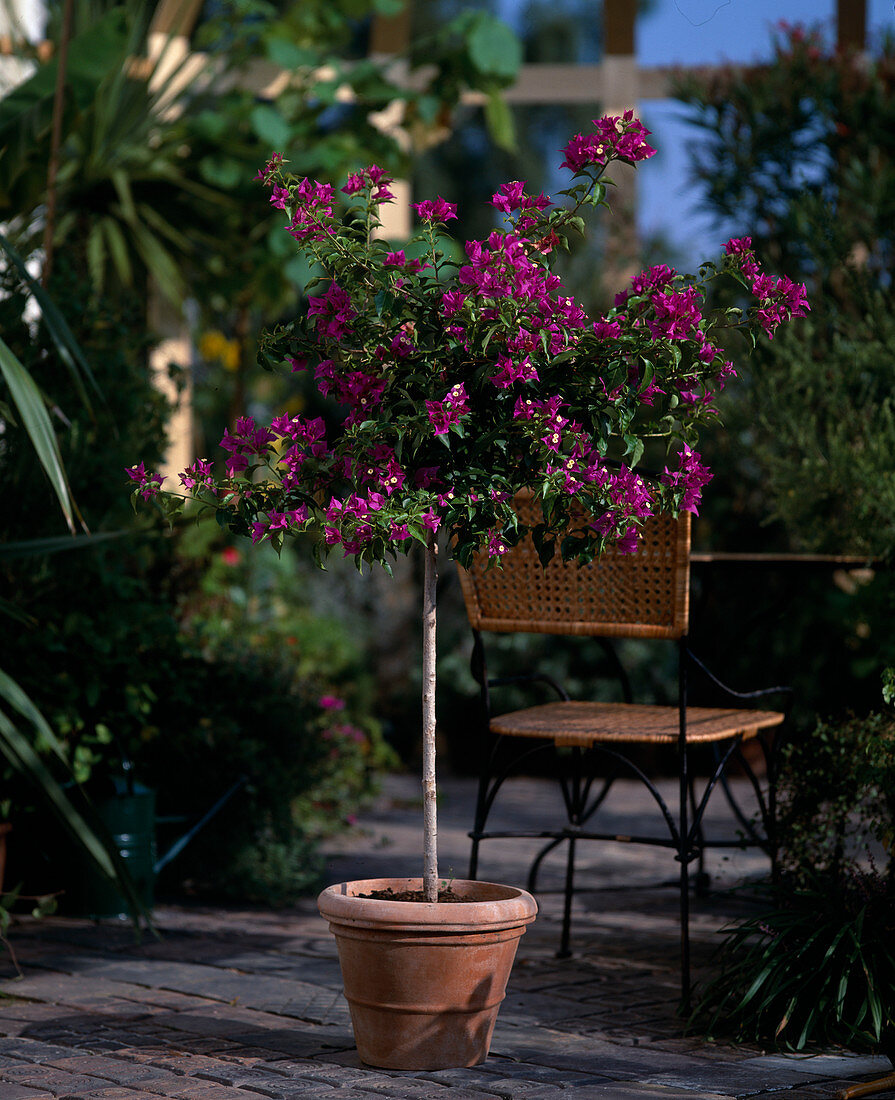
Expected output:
(693, 32)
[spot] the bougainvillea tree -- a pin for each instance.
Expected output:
(463, 381)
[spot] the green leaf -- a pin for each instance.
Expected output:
(287, 55)
(634, 448)
(212, 124)
(162, 265)
(66, 345)
(500, 122)
(19, 701)
(494, 49)
(546, 548)
(32, 548)
(36, 420)
(96, 255)
(118, 250)
(270, 126)
(221, 171)
(45, 906)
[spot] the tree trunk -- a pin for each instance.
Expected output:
(430, 828)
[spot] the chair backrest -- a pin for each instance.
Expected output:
(642, 595)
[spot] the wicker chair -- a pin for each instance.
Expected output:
(642, 595)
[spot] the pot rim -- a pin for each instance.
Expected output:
(499, 907)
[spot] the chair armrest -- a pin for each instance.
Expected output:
(530, 678)
(786, 692)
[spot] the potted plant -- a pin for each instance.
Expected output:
(466, 375)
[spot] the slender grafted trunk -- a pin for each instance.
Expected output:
(430, 827)
(55, 140)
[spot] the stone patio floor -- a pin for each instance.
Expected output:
(242, 1003)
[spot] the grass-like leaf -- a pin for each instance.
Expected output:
(31, 407)
(57, 326)
(811, 970)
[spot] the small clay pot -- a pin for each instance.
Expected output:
(424, 980)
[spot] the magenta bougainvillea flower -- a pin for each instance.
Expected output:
(464, 371)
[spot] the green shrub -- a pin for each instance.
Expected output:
(837, 799)
(130, 667)
(817, 964)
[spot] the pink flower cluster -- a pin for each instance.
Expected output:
(503, 268)
(270, 169)
(512, 197)
(399, 259)
(779, 299)
(248, 440)
(383, 469)
(307, 440)
(354, 522)
(436, 210)
(670, 311)
(333, 311)
(201, 473)
(444, 414)
(622, 137)
(653, 278)
(631, 498)
(374, 178)
(689, 479)
(509, 372)
(353, 517)
(361, 392)
(331, 702)
(676, 313)
(346, 733)
(149, 483)
(313, 210)
(279, 521)
(456, 382)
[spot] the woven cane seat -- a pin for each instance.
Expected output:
(586, 724)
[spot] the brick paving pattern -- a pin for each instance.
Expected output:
(240, 1003)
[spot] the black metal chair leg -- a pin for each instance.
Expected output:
(701, 879)
(481, 814)
(564, 948)
(532, 884)
(683, 853)
(474, 859)
(685, 934)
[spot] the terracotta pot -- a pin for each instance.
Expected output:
(424, 981)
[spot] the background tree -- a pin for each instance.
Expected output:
(799, 154)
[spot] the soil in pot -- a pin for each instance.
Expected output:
(444, 895)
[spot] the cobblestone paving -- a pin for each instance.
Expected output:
(239, 1004)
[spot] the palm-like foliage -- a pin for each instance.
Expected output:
(103, 105)
(127, 203)
(816, 966)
